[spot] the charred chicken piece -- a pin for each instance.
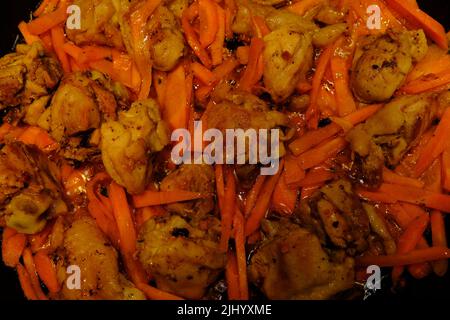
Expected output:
(388, 135)
(127, 143)
(86, 247)
(337, 216)
(27, 75)
(183, 256)
(30, 192)
(290, 263)
(191, 177)
(381, 63)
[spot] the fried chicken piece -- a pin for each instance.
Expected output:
(381, 63)
(191, 177)
(183, 256)
(30, 192)
(127, 143)
(27, 75)
(290, 263)
(86, 247)
(388, 135)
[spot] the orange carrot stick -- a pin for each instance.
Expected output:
(202, 73)
(25, 283)
(439, 240)
(176, 109)
(12, 248)
(27, 35)
(227, 213)
(217, 45)
(262, 204)
(445, 162)
(294, 174)
(252, 195)
(46, 270)
(232, 277)
(415, 256)
(31, 269)
(394, 178)
(58, 39)
(48, 21)
(251, 74)
(321, 153)
(426, 83)
(153, 293)
(207, 14)
(284, 198)
(154, 198)
(239, 238)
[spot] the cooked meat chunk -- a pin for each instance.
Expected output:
(287, 54)
(381, 63)
(191, 177)
(166, 38)
(290, 263)
(99, 23)
(30, 192)
(242, 23)
(183, 256)
(337, 214)
(127, 143)
(26, 75)
(86, 246)
(385, 137)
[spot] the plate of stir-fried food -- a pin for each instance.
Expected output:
(101, 199)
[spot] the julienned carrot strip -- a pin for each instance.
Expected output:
(207, 14)
(202, 73)
(31, 269)
(134, 268)
(260, 27)
(339, 69)
(436, 145)
(73, 50)
(154, 198)
(191, 37)
(122, 214)
(39, 137)
(27, 35)
(46, 270)
(48, 21)
(415, 256)
(153, 293)
(312, 114)
(375, 196)
(301, 7)
(160, 81)
(439, 239)
(315, 176)
(242, 54)
(262, 204)
(239, 238)
(284, 197)
(25, 283)
(426, 82)
(435, 61)
(392, 177)
(312, 138)
(251, 74)
(230, 13)
(252, 195)
(216, 47)
(294, 174)
(232, 277)
(176, 109)
(445, 163)
(58, 40)
(409, 240)
(229, 207)
(420, 19)
(12, 248)
(321, 153)
(40, 240)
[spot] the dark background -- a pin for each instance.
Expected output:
(13, 11)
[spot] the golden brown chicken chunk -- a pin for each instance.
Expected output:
(385, 137)
(100, 23)
(127, 143)
(337, 216)
(290, 263)
(86, 247)
(27, 75)
(183, 256)
(166, 38)
(288, 53)
(30, 192)
(242, 23)
(191, 177)
(381, 63)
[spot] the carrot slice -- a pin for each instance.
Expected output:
(415, 256)
(207, 14)
(426, 83)
(251, 74)
(227, 213)
(27, 35)
(321, 153)
(58, 39)
(284, 198)
(176, 109)
(48, 21)
(439, 238)
(202, 73)
(154, 198)
(239, 238)
(232, 277)
(262, 204)
(153, 293)
(445, 162)
(25, 283)
(12, 248)
(31, 269)
(217, 45)
(392, 177)
(46, 270)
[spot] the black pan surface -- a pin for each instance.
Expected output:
(433, 287)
